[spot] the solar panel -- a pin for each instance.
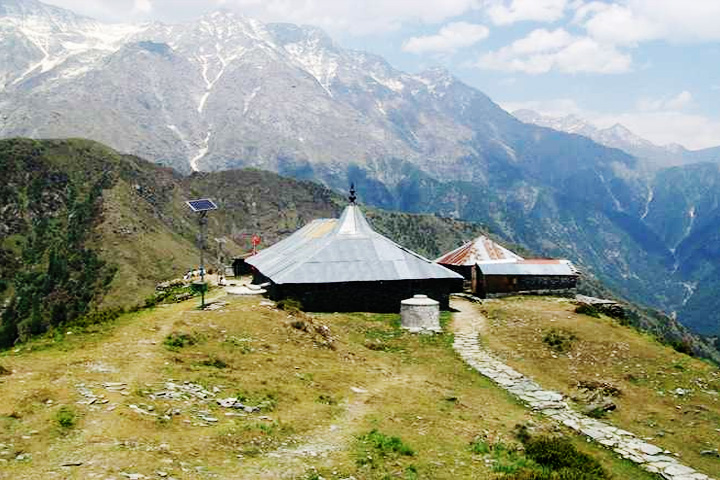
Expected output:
(202, 205)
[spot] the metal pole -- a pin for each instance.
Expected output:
(203, 226)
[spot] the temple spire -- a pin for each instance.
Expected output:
(352, 196)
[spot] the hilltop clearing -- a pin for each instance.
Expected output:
(335, 395)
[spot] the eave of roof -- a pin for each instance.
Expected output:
(539, 267)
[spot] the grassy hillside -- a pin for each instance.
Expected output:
(84, 227)
(338, 395)
(660, 394)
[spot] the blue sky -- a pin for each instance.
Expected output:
(652, 65)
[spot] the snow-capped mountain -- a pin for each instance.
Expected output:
(35, 38)
(227, 91)
(619, 136)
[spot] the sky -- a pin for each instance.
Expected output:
(651, 65)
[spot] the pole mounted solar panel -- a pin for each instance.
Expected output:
(201, 205)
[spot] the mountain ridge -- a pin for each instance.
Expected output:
(84, 228)
(227, 92)
(619, 136)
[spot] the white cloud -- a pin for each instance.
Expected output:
(505, 13)
(542, 51)
(633, 21)
(336, 16)
(450, 38)
(142, 7)
(542, 40)
(616, 24)
(673, 103)
(356, 16)
(611, 29)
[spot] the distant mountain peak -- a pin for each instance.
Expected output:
(24, 10)
(437, 74)
(621, 137)
(437, 79)
(20, 7)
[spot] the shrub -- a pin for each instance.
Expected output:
(151, 301)
(682, 346)
(97, 317)
(385, 445)
(299, 325)
(479, 446)
(214, 362)
(560, 455)
(326, 400)
(5, 371)
(290, 305)
(587, 309)
(65, 417)
(597, 412)
(559, 340)
(176, 340)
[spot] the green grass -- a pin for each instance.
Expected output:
(175, 341)
(377, 454)
(560, 340)
(385, 445)
(646, 372)
(66, 417)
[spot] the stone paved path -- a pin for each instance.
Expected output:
(467, 324)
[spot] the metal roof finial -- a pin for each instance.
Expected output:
(352, 197)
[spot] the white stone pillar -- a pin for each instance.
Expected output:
(420, 314)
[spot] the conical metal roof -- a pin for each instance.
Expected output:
(480, 250)
(344, 250)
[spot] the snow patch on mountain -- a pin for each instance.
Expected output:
(202, 151)
(315, 60)
(60, 37)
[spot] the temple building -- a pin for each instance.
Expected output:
(344, 265)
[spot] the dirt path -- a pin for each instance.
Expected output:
(467, 318)
(292, 462)
(96, 378)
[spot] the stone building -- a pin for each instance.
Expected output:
(538, 276)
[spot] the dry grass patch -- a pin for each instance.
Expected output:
(666, 396)
(296, 402)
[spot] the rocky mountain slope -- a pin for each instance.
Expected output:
(227, 91)
(681, 209)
